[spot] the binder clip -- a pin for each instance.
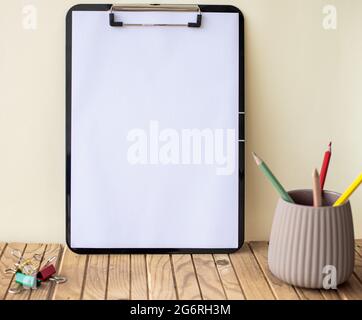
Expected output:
(25, 266)
(26, 275)
(156, 7)
(48, 273)
(27, 281)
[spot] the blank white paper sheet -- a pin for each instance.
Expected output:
(154, 131)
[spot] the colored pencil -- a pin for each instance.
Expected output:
(325, 165)
(277, 185)
(317, 193)
(345, 195)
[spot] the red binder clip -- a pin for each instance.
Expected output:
(45, 273)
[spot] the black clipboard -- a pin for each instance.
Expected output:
(241, 132)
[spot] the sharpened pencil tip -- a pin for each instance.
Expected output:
(256, 158)
(330, 146)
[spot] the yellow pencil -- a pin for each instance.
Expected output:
(345, 195)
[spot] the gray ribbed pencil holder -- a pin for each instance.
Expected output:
(305, 239)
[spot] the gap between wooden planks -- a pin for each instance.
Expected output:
(237, 276)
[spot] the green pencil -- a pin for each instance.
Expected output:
(261, 164)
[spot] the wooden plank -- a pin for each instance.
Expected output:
(358, 263)
(2, 247)
(208, 277)
(95, 281)
(30, 251)
(281, 290)
(358, 243)
(330, 294)
(186, 281)
(119, 277)
(7, 261)
(128, 276)
(46, 288)
(352, 289)
(228, 277)
(139, 283)
(72, 266)
(160, 278)
(309, 294)
(251, 277)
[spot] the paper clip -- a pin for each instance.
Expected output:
(10, 271)
(25, 266)
(17, 254)
(50, 260)
(19, 288)
(26, 269)
(58, 279)
(24, 263)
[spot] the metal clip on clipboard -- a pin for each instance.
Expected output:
(155, 7)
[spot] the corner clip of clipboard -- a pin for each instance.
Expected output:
(153, 8)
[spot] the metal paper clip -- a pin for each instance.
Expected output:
(155, 7)
(17, 254)
(10, 271)
(58, 279)
(19, 288)
(23, 265)
(50, 260)
(26, 267)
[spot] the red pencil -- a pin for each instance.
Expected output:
(324, 169)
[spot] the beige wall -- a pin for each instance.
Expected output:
(303, 88)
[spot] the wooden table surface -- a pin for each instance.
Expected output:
(241, 275)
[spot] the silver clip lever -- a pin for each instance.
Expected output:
(156, 7)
